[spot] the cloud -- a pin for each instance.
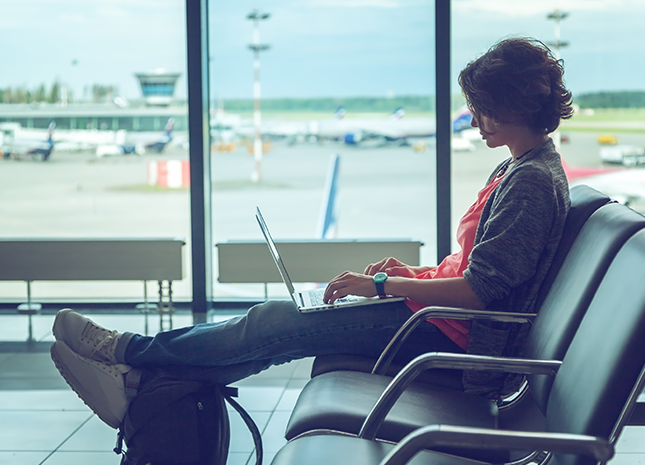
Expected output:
(354, 3)
(525, 8)
(74, 18)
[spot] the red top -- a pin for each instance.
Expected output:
(453, 266)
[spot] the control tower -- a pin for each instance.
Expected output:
(158, 86)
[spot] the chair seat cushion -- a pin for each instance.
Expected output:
(331, 449)
(440, 377)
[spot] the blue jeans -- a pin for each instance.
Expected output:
(273, 333)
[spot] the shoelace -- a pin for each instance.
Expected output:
(106, 341)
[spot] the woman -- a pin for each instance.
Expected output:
(508, 239)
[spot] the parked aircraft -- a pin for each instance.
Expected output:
(626, 155)
(137, 142)
(625, 185)
(16, 142)
(395, 129)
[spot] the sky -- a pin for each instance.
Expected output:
(318, 48)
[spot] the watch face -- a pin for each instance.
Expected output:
(380, 277)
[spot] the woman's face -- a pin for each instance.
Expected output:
(494, 133)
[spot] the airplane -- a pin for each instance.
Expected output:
(394, 130)
(137, 143)
(624, 185)
(17, 142)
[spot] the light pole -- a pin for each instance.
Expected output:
(256, 17)
(557, 16)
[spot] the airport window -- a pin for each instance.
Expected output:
(339, 78)
(110, 142)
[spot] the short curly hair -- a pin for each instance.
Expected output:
(519, 80)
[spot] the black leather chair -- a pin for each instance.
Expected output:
(593, 393)
(341, 400)
(584, 201)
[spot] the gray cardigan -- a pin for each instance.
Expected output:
(516, 240)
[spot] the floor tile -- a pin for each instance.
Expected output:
(23, 458)
(93, 436)
(37, 431)
(303, 369)
(57, 400)
(241, 439)
(30, 371)
(273, 435)
(291, 394)
(632, 440)
(78, 458)
(268, 458)
(628, 459)
(28, 366)
(241, 458)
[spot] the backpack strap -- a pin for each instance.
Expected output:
(253, 428)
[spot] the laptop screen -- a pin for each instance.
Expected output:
(274, 252)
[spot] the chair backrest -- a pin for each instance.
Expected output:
(601, 374)
(584, 201)
(593, 250)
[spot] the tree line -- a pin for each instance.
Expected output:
(330, 105)
(102, 93)
(617, 99)
(99, 93)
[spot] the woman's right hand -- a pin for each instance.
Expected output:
(394, 267)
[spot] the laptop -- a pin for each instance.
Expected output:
(312, 300)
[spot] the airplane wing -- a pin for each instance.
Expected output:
(623, 185)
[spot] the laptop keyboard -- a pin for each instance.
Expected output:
(316, 298)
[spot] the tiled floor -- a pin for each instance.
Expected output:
(43, 422)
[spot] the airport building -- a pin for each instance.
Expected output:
(150, 114)
(95, 116)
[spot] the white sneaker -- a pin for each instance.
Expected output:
(85, 337)
(99, 385)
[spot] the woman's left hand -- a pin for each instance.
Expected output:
(349, 283)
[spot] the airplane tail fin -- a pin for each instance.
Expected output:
(340, 112)
(328, 220)
(50, 130)
(170, 125)
(462, 120)
(398, 114)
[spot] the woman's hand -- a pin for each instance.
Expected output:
(394, 267)
(349, 283)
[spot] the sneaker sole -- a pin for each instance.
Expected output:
(80, 391)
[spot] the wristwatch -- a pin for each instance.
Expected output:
(379, 281)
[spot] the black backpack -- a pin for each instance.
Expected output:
(174, 422)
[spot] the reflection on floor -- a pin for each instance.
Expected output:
(43, 422)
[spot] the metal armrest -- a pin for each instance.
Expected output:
(430, 437)
(383, 363)
(452, 361)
